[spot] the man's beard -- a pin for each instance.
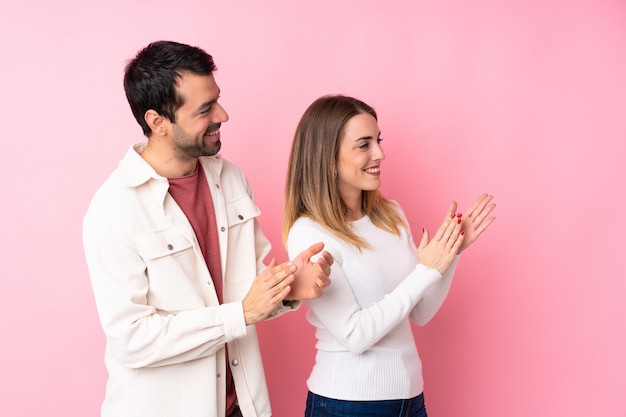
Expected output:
(190, 148)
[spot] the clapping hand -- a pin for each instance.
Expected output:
(439, 252)
(475, 220)
(310, 277)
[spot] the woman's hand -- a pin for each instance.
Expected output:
(475, 221)
(441, 250)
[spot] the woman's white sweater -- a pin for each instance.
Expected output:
(365, 346)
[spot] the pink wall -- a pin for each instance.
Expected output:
(522, 99)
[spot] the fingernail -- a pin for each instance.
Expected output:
(459, 215)
(422, 230)
(459, 221)
(452, 216)
(462, 233)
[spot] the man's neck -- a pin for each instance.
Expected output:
(166, 164)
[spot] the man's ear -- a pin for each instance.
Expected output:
(158, 124)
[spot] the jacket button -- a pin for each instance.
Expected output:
(170, 247)
(234, 362)
(219, 375)
(240, 217)
(222, 228)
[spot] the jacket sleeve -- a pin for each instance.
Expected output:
(263, 248)
(337, 310)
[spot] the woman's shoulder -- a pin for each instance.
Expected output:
(394, 204)
(306, 230)
(306, 223)
(398, 208)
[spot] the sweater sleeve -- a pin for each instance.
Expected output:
(428, 306)
(351, 326)
(432, 300)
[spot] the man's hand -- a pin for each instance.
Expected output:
(310, 277)
(268, 291)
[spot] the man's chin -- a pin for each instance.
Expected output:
(213, 149)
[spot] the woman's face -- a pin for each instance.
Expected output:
(360, 155)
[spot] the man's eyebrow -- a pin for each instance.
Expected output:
(208, 104)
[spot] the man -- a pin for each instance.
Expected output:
(175, 255)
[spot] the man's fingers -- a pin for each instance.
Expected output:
(323, 281)
(275, 274)
(314, 249)
(328, 258)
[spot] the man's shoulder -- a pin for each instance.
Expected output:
(111, 195)
(122, 190)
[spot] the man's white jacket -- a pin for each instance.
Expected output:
(165, 329)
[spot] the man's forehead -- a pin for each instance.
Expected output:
(198, 89)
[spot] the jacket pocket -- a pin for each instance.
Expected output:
(241, 210)
(244, 246)
(171, 269)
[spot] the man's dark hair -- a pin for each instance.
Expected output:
(150, 79)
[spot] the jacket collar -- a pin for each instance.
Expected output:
(212, 164)
(136, 171)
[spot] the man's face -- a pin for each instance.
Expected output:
(197, 129)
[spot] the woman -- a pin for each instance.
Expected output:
(366, 363)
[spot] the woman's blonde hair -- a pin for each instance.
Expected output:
(311, 188)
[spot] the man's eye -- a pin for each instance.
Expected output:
(379, 140)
